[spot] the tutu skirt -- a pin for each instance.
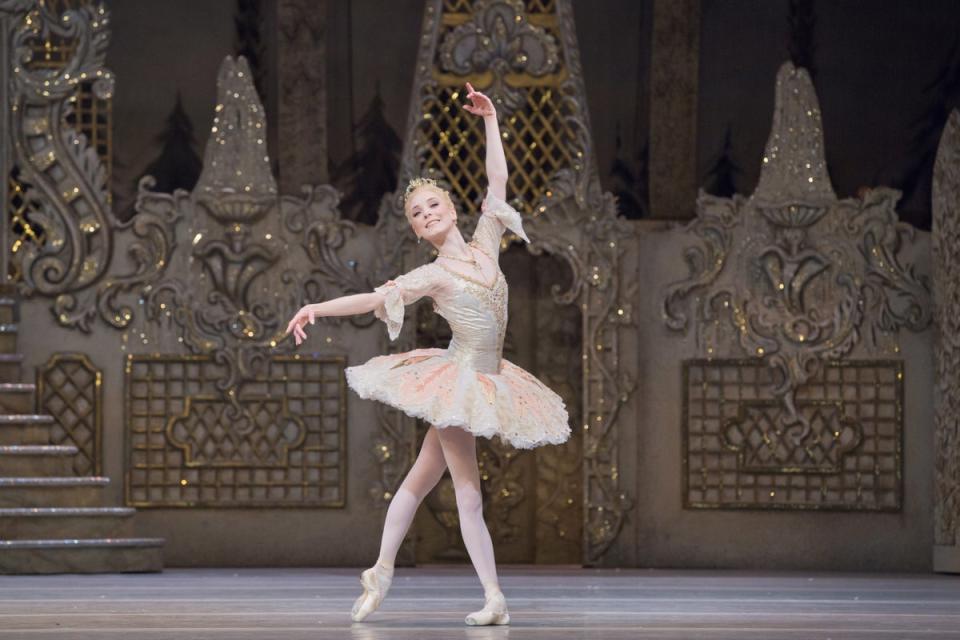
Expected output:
(431, 385)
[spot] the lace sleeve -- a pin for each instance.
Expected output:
(497, 217)
(406, 289)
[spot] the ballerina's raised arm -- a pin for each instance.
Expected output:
(497, 214)
(431, 214)
(496, 161)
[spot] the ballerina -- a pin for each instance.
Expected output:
(463, 391)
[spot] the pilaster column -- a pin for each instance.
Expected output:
(674, 62)
(301, 90)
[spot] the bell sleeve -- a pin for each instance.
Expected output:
(398, 293)
(497, 216)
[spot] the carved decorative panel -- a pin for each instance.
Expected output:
(738, 454)
(796, 278)
(282, 443)
(69, 388)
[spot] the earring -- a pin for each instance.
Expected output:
(418, 239)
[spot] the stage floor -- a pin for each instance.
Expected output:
(428, 603)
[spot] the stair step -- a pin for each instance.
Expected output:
(78, 543)
(8, 336)
(17, 387)
(10, 365)
(83, 555)
(25, 428)
(77, 522)
(17, 397)
(65, 512)
(32, 418)
(38, 450)
(51, 491)
(36, 460)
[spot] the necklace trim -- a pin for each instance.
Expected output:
(496, 275)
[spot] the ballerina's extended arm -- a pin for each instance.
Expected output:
(386, 301)
(496, 161)
(498, 214)
(343, 306)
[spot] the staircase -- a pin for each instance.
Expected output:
(50, 519)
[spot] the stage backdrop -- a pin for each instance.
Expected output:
(752, 388)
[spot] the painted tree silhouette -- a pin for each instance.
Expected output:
(178, 165)
(629, 178)
(722, 176)
(370, 172)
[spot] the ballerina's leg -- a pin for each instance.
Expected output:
(460, 451)
(426, 471)
(423, 476)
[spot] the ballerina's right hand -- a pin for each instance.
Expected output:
(299, 321)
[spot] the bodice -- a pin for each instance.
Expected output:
(475, 310)
(477, 315)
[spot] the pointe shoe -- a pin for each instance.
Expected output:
(493, 612)
(376, 582)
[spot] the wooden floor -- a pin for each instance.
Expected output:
(428, 603)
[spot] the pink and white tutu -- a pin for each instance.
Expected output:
(469, 384)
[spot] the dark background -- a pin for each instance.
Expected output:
(887, 73)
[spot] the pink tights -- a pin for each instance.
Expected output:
(456, 449)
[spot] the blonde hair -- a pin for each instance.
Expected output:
(416, 183)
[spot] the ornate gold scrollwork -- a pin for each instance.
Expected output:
(797, 274)
(65, 182)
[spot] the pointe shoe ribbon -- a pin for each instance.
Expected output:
(376, 582)
(493, 612)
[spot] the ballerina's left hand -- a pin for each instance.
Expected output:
(482, 105)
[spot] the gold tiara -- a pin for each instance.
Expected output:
(416, 183)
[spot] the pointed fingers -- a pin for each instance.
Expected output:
(470, 88)
(312, 315)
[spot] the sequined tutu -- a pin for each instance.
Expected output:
(469, 384)
(429, 384)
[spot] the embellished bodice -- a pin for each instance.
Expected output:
(475, 310)
(477, 315)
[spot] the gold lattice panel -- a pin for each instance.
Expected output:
(738, 454)
(283, 445)
(69, 388)
(537, 135)
(536, 141)
(23, 230)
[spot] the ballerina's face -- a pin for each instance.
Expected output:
(431, 213)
